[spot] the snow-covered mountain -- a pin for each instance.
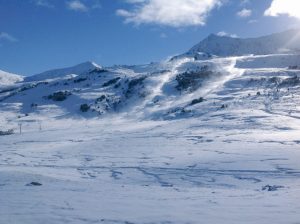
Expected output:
(7, 79)
(183, 87)
(60, 73)
(285, 42)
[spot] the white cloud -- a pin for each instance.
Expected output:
(124, 13)
(245, 2)
(7, 37)
(43, 3)
(225, 34)
(174, 13)
(77, 5)
(244, 13)
(284, 7)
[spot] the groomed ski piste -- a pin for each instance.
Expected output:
(200, 138)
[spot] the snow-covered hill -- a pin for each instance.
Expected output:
(60, 73)
(7, 79)
(182, 87)
(166, 90)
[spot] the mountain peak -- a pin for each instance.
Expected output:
(287, 41)
(87, 64)
(212, 35)
(62, 72)
(7, 78)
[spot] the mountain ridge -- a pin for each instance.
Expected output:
(283, 42)
(58, 73)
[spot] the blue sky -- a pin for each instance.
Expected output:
(37, 35)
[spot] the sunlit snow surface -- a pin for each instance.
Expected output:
(239, 164)
(7, 79)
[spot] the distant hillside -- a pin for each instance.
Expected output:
(59, 73)
(285, 42)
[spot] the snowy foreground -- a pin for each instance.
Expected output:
(216, 169)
